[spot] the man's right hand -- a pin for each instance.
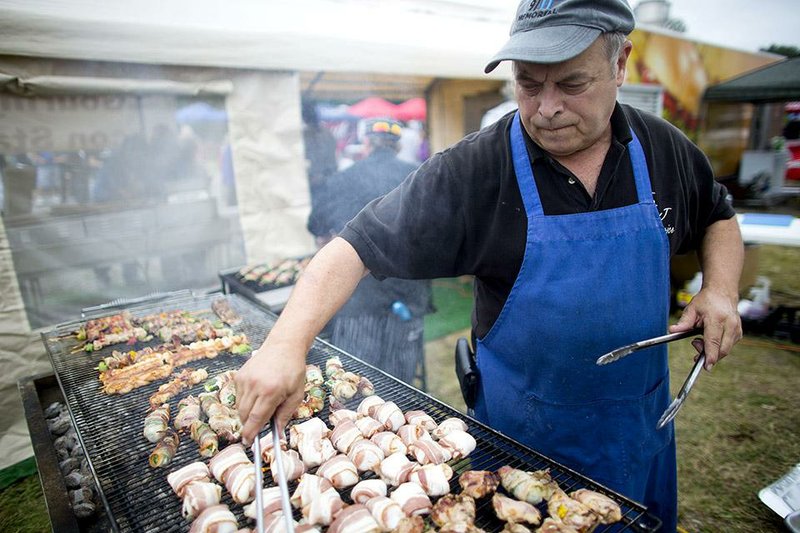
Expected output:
(271, 382)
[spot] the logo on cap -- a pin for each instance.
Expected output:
(539, 8)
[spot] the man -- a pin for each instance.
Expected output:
(369, 326)
(320, 149)
(557, 210)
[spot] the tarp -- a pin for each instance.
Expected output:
(778, 82)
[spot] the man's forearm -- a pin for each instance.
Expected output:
(325, 286)
(722, 256)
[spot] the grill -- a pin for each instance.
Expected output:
(138, 498)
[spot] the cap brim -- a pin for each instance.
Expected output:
(553, 44)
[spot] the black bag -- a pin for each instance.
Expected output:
(467, 372)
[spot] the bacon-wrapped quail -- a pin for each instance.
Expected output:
(395, 469)
(316, 452)
(309, 487)
(453, 509)
(199, 496)
(312, 429)
(517, 511)
(460, 443)
(572, 512)
(215, 519)
(410, 433)
(388, 414)
(366, 489)
(323, 508)
(181, 478)
(270, 503)
(385, 511)
(206, 439)
(156, 423)
(531, 487)
(336, 416)
(368, 403)
(224, 462)
(412, 499)
(241, 482)
(344, 435)
(292, 464)
(354, 519)
(165, 449)
(365, 454)
(479, 483)
(422, 419)
(267, 445)
(389, 443)
(368, 426)
(434, 479)
(188, 412)
(314, 375)
(429, 452)
(365, 386)
(607, 509)
(340, 471)
(447, 426)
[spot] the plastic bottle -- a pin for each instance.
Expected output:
(401, 310)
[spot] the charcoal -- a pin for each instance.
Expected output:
(68, 465)
(53, 410)
(59, 425)
(81, 495)
(73, 480)
(84, 509)
(62, 454)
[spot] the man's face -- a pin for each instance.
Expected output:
(566, 107)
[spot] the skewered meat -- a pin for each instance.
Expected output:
(354, 519)
(271, 503)
(215, 383)
(365, 387)
(215, 519)
(607, 509)
(511, 510)
(478, 483)
(309, 487)
(165, 449)
(368, 426)
(366, 455)
(137, 375)
(156, 423)
(410, 524)
(333, 366)
(200, 495)
(429, 452)
(366, 489)
(205, 438)
(223, 420)
(389, 415)
(181, 478)
(448, 425)
(267, 444)
(342, 414)
(434, 479)
(181, 381)
(421, 418)
(571, 512)
(368, 403)
(344, 435)
(460, 443)
(412, 499)
(292, 464)
(188, 412)
(314, 375)
(453, 509)
(531, 487)
(223, 463)
(210, 348)
(550, 525)
(225, 312)
(386, 512)
(323, 508)
(410, 433)
(389, 443)
(227, 393)
(395, 469)
(340, 471)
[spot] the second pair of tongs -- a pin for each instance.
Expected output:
(677, 403)
(279, 474)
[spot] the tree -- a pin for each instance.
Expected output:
(784, 50)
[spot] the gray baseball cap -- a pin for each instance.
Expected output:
(552, 31)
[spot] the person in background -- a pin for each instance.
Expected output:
(320, 149)
(503, 108)
(566, 212)
(382, 323)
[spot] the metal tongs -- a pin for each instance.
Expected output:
(279, 477)
(677, 403)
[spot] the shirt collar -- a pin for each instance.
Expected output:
(620, 132)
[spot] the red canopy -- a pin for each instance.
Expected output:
(413, 109)
(372, 107)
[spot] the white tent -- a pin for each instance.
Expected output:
(259, 56)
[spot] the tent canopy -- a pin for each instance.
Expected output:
(778, 82)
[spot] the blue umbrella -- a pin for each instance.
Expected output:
(200, 112)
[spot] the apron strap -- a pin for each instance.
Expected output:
(522, 168)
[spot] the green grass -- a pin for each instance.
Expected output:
(22, 507)
(453, 301)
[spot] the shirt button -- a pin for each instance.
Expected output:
(571, 181)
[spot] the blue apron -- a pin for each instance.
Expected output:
(589, 282)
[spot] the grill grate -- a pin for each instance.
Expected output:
(138, 498)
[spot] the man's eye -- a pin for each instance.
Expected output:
(531, 88)
(574, 88)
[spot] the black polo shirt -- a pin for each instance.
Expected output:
(461, 212)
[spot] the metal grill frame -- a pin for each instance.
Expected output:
(138, 497)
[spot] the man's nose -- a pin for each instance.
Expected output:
(550, 102)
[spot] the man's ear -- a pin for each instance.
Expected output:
(622, 62)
